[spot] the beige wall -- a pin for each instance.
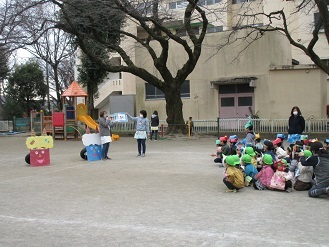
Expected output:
(214, 64)
(302, 86)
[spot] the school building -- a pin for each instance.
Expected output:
(267, 76)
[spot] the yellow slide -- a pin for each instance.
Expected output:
(83, 117)
(88, 121)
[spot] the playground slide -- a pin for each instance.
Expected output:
(88, 121)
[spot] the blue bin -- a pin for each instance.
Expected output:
(94, 152)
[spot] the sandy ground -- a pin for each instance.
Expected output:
(172, 197)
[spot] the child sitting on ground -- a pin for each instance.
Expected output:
(249, 169)
(218, 152)
(269, 149)
(233, 140)
(281, 137)
(281, 179)
(264, 176)
(258, 145)
(304, 174)
(233, 176)
(251, 152)
(279, 152)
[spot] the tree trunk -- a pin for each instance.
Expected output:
(174, 110)
(58, 87)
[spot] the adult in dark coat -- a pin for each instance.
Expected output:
(296, 122)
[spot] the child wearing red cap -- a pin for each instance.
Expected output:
(281, 179)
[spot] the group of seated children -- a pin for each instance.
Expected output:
(267, 165)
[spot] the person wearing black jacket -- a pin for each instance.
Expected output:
(320, 162)
(296, 121)
(154, 125)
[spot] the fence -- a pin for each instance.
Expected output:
(211, 126)
(6, 126)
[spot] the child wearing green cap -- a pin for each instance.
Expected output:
(304, 174)
(249, 169)
(234, 179)
(264, 176)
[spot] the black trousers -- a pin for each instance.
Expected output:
(229, 185)
(141, 144)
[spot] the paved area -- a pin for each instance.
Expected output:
(172, 197)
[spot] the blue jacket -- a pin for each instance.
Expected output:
(250, 170)
(142, 124)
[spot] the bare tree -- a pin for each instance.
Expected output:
(283, 19)
(90, 20)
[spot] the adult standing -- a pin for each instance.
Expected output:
(154, 125)
(142, 131)
(105, 125)
(296, 123)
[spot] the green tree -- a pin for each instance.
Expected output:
(26, 88)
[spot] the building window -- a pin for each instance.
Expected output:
(245, 101)
(242, 1)
(227, 102)
(235, 88)
(215, 29)
(317, 19)
(154, 93)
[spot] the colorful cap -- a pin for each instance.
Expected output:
(247, 125)
(223, 138)
(257, 136)
(217, 142)
(267, 159)
(277, 141)
(250, 151)
(246, 158)
(307, 153)
(282, 136)
(236, 159)
(230, 160)
(326, 140)
(233, 137)
(303, 137)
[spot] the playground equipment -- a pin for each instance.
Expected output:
(67, 122)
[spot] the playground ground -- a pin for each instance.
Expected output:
(172, 197)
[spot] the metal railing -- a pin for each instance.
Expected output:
(209, 126)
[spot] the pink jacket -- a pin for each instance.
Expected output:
(265, 175)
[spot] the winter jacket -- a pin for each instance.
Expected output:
(154, 120)
(235, 176)
(104, 125)
(265, 175)
(296, 125)
(320, 165)
(250, 139)
(305, 173)
(250, 170)
(142, 124)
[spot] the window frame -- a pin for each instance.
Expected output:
(159, 95)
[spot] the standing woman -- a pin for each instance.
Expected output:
(142, 131)
(296, 122)
(154, 125)
(105, 125)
